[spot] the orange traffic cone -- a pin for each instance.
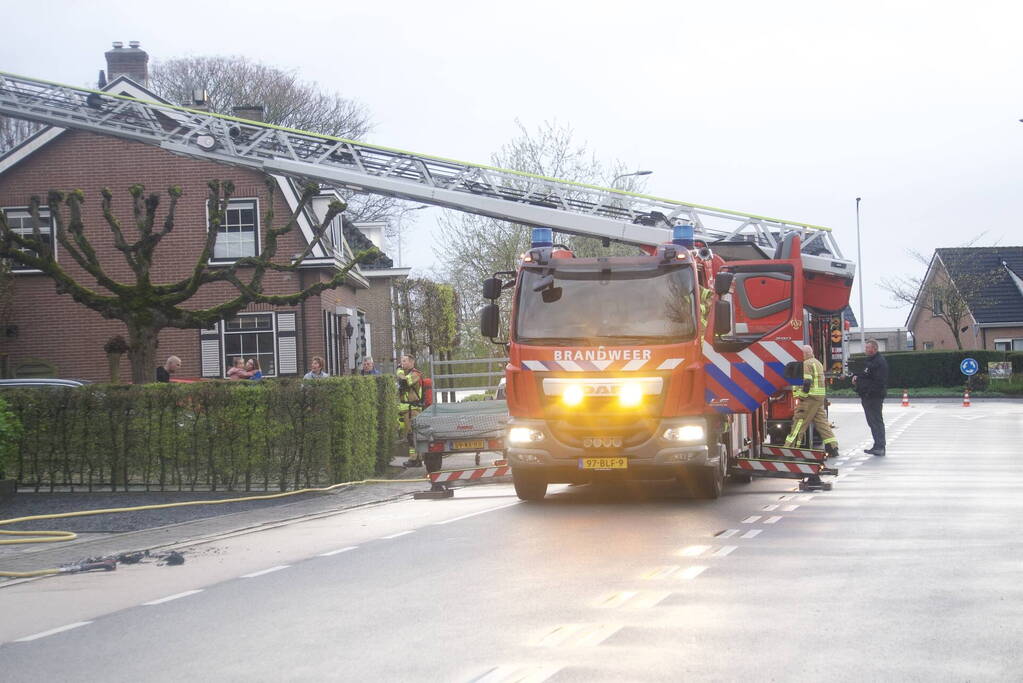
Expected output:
(966, 399)
(905, 398)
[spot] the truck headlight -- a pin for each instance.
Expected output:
(573, 395)
(687, 433)
(524, 435)
(630, 395)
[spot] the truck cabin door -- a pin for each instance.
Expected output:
(757, 329)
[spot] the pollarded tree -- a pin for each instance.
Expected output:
(147, 307)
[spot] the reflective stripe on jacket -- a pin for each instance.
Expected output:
(813, 372)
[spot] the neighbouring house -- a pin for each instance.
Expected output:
(50, 334)
(887, 338)
(989, 280)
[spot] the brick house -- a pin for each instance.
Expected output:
(996, 312)
(50, 334)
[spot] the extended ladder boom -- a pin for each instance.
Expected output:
(515, 196)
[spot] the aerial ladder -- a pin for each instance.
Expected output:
(531, 200)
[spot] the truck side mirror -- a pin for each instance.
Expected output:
(722, 283)
(722, 318)
(490, 319)
(492, 288)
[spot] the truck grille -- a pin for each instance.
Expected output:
(601, 418)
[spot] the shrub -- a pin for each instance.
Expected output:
(907, 369)
(10, 436)
(217, 435)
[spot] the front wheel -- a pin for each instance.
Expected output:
(529, 485)
(708, 482)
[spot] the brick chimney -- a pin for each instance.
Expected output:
(132, 62)
(252, 112)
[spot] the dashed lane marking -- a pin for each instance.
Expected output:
(773, 520)
(631, 599)
(752, 519)
(769, 508)
(578, 635)
(265, 571)
(338, 551)
(473, 514)
(518, 674)
(790, 508)
(724, 551)
(173, 597)
(52, 631)
(661, 572)
(693, 550)
(752, 533)
(400, 533)
(727, 533)
(690, 573)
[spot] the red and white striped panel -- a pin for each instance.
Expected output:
(777, 466)
(799, 453)
(469, 475)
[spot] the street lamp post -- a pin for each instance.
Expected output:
(626, 175)
(859, 260)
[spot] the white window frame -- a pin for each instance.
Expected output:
(1012, 342)
(273, 330)
(227, 261)
(44, 225)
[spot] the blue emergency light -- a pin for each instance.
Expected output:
(543, 237)
(683, 235)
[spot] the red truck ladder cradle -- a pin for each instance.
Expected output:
(740, 380)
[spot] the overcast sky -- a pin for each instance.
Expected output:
(787, 108)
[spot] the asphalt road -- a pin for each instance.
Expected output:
(907, 570)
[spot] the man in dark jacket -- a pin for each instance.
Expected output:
(872, 386)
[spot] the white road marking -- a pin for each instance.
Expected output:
(769, 508)
(52, 631)
(694, 550)
(724, 550)
(338, 551)
(265, 571)
(752, 519)
(727, 533)
(578, 635)
(691, 572)
(473, 514)
(773, 520)
(400, 533)
(519, 674)
(173, 597)
(632, 599)
(752, 533)
(661, 572)
(790, 508)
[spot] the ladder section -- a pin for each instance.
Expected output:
(515, 196)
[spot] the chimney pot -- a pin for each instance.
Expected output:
(134, 43)
(118, 45)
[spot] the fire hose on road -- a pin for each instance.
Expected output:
(49, 536)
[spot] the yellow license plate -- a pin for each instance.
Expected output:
(469, 445)
(617, 463)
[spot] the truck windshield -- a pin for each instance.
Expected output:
(623, 305)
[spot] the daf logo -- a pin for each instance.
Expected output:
(601, 389)
(602, 442)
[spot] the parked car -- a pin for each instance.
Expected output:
(43, 382)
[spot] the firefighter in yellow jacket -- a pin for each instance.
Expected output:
(812, 406)
(410, 403)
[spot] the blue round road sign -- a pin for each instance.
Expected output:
(969, 367)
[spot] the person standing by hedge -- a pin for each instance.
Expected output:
(164, 372)
(316, 370)
(872, 386)
(410, 402)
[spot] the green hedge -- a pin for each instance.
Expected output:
(10, 437)
(276, 434)
(908, 369)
